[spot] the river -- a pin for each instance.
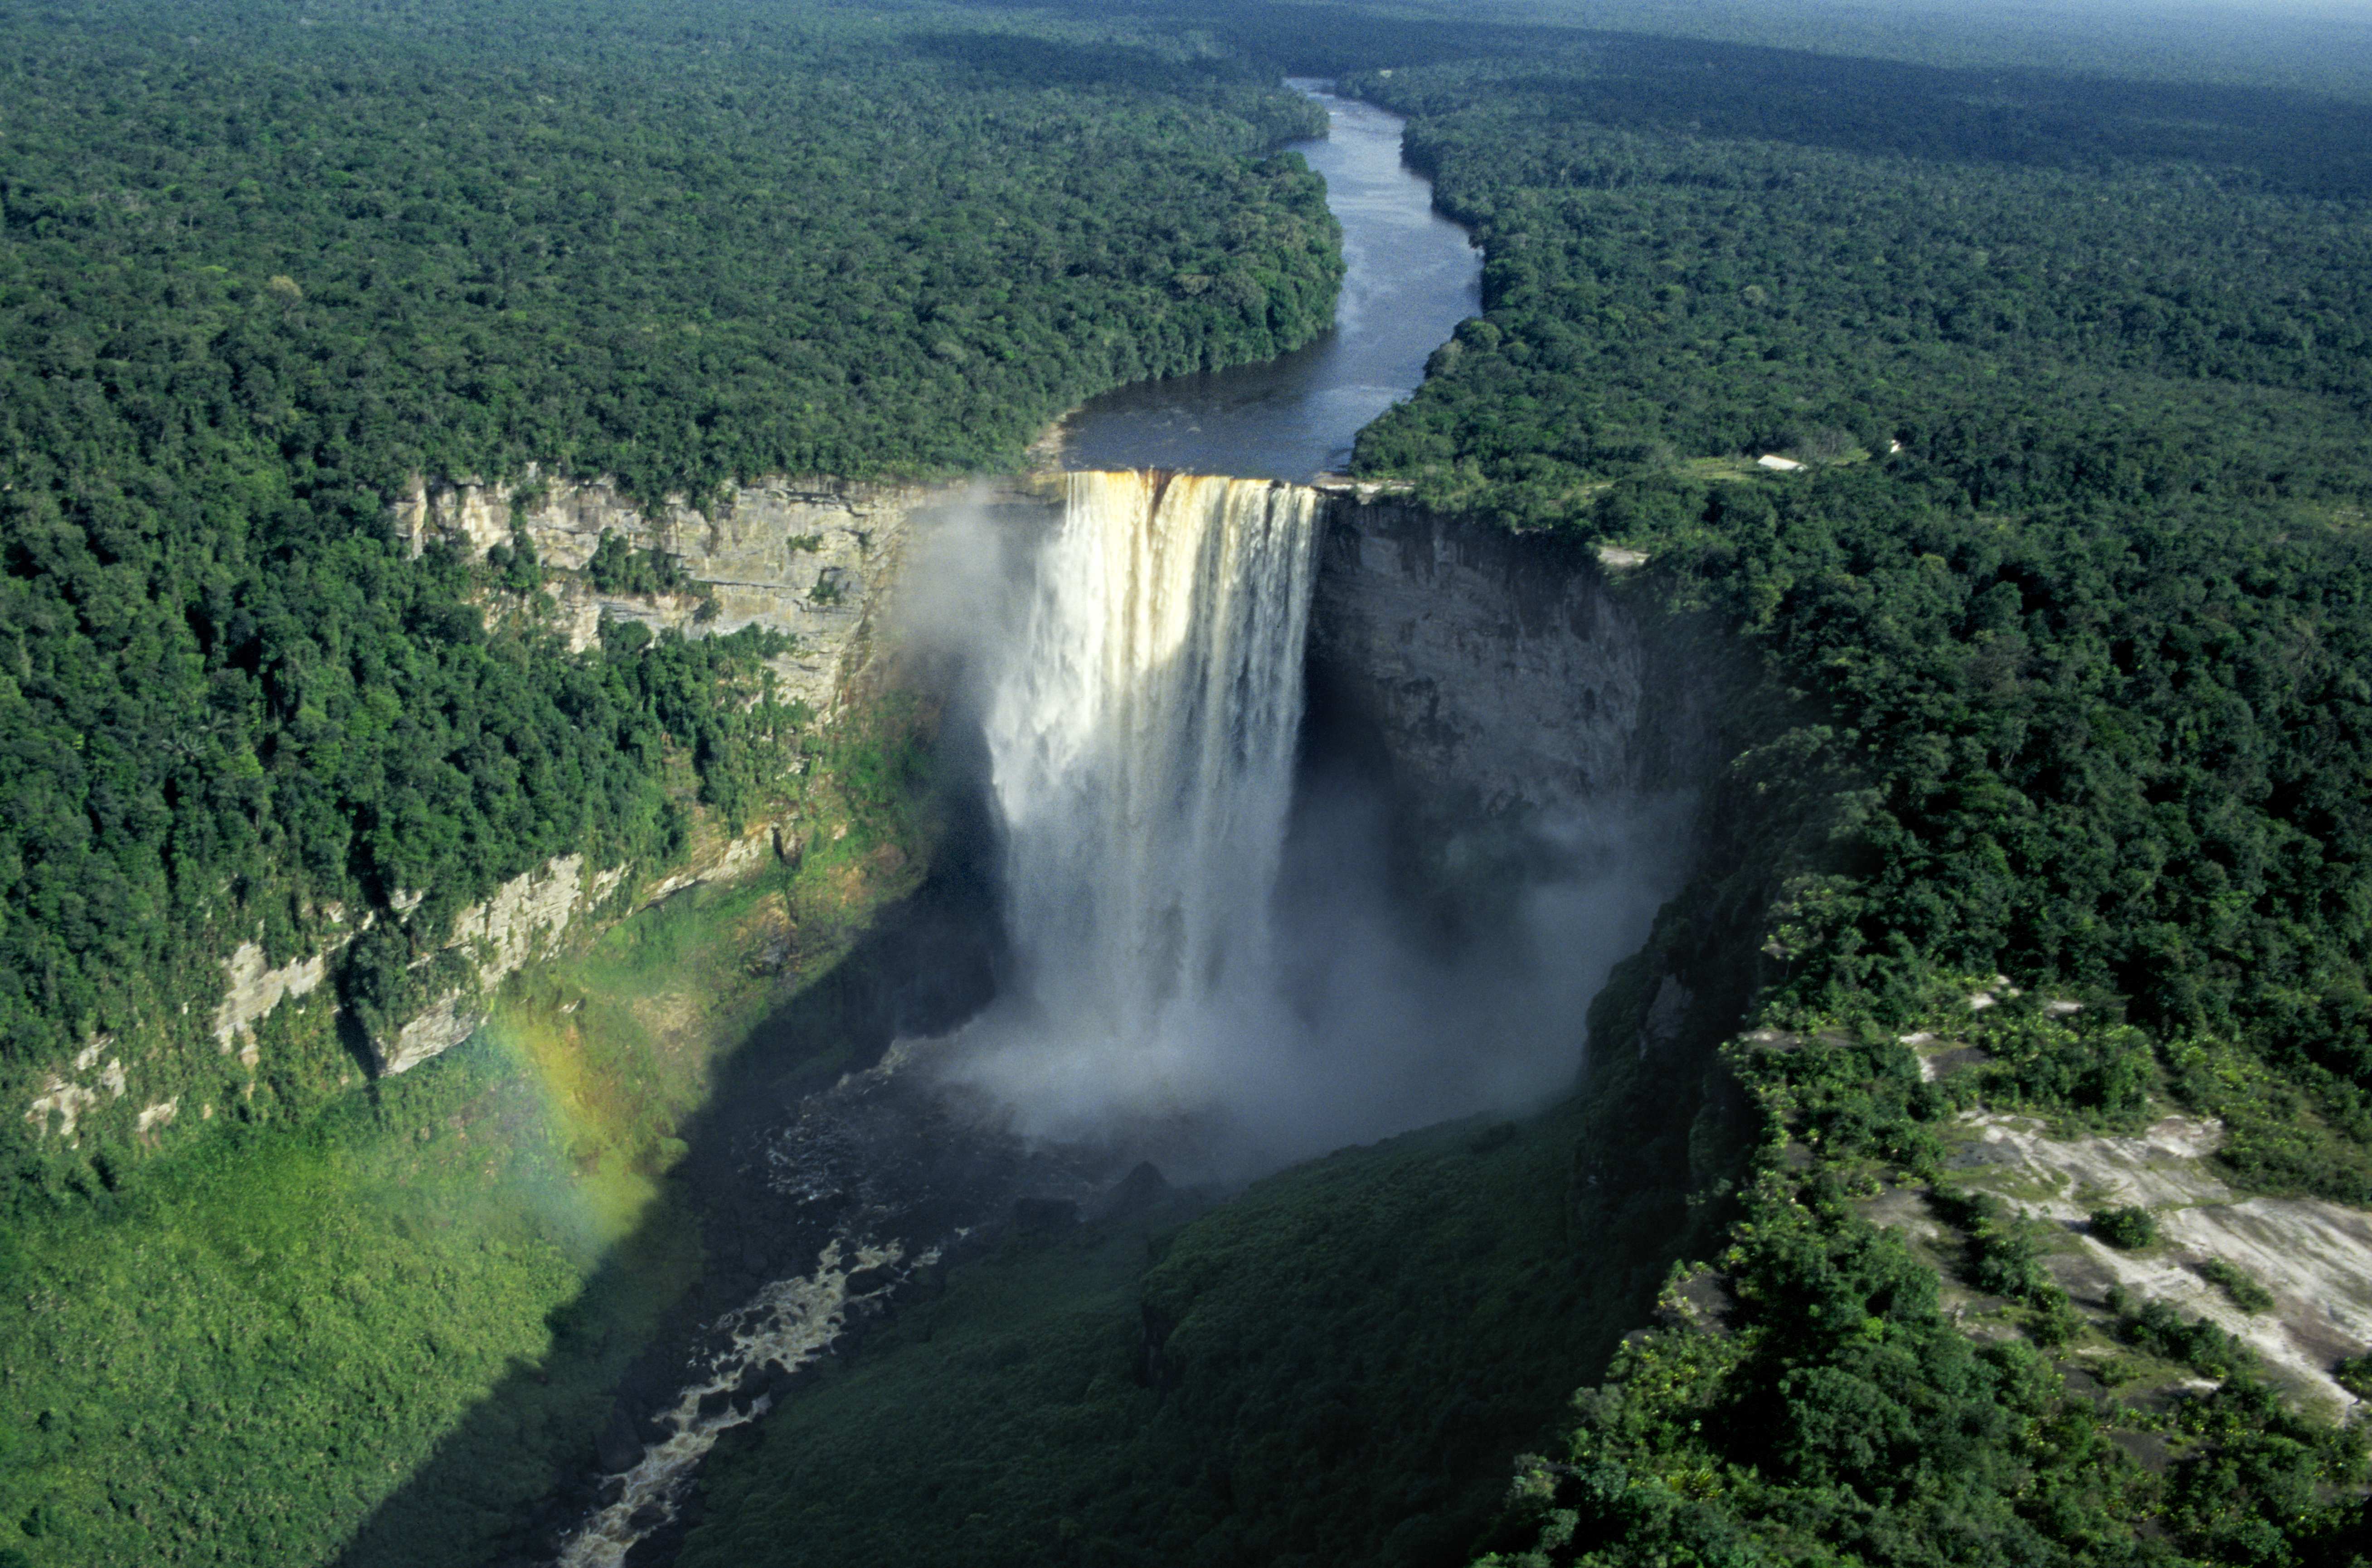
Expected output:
(1412, 276)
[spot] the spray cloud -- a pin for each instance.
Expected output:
(1210, 961)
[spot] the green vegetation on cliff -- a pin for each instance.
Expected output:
(2063, 618)
(247, 1346)
(258, 271)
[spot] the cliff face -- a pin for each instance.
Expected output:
(1511, 680)
(813, 559)
(497, 937)
(1554, 741)
(1507, 675)
(807, 557)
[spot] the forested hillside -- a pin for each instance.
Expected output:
(2065, 615)
(2053, 742)
(259, 270)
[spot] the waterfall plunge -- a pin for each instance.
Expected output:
(1143, 742)
(1141, 734)
(1210, 968)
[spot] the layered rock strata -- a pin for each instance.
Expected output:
(809, 558)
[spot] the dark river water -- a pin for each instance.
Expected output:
(1412, 278)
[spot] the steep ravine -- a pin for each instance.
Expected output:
(814, 559)
(1496, 693)
(1488, 691)
(1335, 1365)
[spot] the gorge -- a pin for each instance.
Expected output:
(1678, 879)
(1217, 954)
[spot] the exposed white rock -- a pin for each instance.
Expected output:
(805, 557)
(604, 883)
(473, 513)
(1980, 1001)
(154, 1116)
(446, 1025)
(579, 611)
(63, 1100)
(67, 1102)
(501, 932)
(525, 918)
(813, 559)
(2315, 1257)
(1776, 463)
(255, 990)
(520, 920)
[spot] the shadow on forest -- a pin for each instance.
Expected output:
(528, 1460)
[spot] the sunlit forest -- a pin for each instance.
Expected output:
(260, 274)
(2050, 682)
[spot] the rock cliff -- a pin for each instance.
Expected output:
(807, 557)
(813, 559)
(1507, 675)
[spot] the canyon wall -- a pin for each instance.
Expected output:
(1510, 679)
(1507, 675)
(810, 558)
(815, 559)
(1548, 734)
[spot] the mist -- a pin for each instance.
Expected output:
(1233, 944)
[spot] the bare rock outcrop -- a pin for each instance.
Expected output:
(1504, 672)
(805, 557)
(97, 1078)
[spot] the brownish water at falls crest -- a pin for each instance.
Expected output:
(1141, 733)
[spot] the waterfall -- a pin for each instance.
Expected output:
(1142, 742)
(1141, 734)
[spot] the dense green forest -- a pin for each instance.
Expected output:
(260, 269)
(2063, 624)
(2057, 652)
